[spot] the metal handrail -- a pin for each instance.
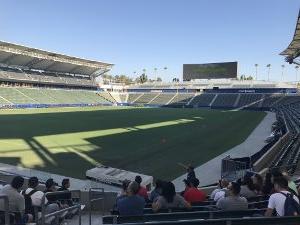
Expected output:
(94, 200)
(6, 209)
(43, 206)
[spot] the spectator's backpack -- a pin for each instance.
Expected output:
(291, 207)
(28, 202)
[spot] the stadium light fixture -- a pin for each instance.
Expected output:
(282, 72)
(256, 66)
(269, 68)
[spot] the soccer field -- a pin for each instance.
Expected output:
(151, 141)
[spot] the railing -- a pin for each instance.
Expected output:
(59, 212)
(6, 209)
(92, 200)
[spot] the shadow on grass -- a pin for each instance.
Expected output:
(154, 151)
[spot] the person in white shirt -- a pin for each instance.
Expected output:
(37, 196)
(220, 192)
(277, 200)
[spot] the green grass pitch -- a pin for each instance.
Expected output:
(151, 141)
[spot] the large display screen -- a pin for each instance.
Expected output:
(210, 71)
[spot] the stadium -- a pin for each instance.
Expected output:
(62, 118)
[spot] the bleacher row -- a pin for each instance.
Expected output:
(289, 154)
(204, 213)
(12, 74)
(205, 84)
(25, 96)
(220, 100)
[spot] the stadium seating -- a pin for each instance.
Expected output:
(181, 99)
(123, 97)
(225, 221)
(17, 95)
(289, 154)
(270, 100)
(202, 100)
(163, 98)
(225, 101)
(133, 96)
(176, 216)
(107, 96)
(146, 98)
(8, 74)
(246, 99)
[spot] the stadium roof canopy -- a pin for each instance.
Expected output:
(32, 58)
(293, 50)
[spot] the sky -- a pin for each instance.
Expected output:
(147, 34)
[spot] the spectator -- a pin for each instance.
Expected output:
(222, 191)
(190, 172)
(36, 197)
(65, 198)
(51, 187)
(277, 200)
(258, 183)
(123, 192)
(193, 194)
(157, 190)
(189, 169)
(213, 193)
(169, 199)
(248, 188)
(233, 201)
(16, 200)
(267, 188)
(132, 204)
(65, 185)
(142, 190)
(292, 185)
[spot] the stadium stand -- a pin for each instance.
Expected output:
(146, 98)
(246, 99)
(23, 96)
(202, 100)
(107, 96)
(181, 99)
(133, 97)
(35, 77)
(162, 99)
(225, 101)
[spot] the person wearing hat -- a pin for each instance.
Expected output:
(192, 193)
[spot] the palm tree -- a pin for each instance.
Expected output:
(256, 65)
(282, 67)
(296, 68)
(269, 68)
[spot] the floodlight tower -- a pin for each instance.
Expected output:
(269, 68)
(282, 72)
(296, 68)
(256, 66)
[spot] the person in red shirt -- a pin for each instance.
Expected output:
(192, 193)
(142, 190)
